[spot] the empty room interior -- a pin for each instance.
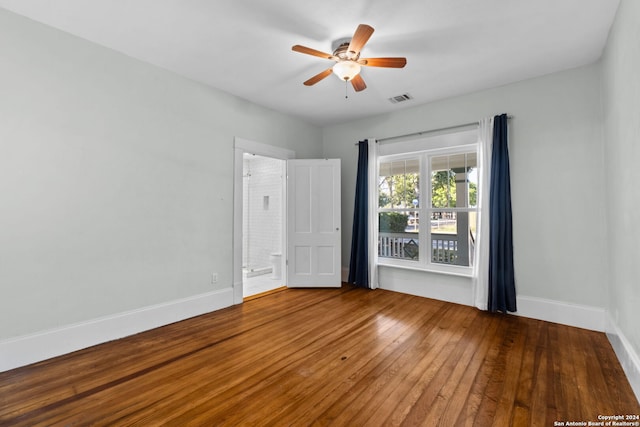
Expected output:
(342, 213)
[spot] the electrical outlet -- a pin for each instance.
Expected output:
(214, 278)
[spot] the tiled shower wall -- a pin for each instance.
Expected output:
(262, 213)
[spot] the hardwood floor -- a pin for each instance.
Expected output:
(345, 356)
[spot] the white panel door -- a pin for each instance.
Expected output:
(313, 230)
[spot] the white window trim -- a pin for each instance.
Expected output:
(419, 149)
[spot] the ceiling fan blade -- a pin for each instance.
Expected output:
(360, 37)
(358, 83)
(309, 51)
(383, 62)
(315, 79)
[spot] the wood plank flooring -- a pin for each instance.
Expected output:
(344, 357)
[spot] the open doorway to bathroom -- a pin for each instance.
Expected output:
(263, 180)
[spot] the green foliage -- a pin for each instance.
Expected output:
(398, 191)
(384, 200)
(473, 194)
(444, 190)
(392, 222)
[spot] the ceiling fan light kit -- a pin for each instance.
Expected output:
(346, 70)
(347, 58)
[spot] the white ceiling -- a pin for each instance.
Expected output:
(244, 46)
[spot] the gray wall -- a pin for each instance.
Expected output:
(557, 182)
(621, 108)
(116, 179)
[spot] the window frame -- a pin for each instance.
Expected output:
(424, 156)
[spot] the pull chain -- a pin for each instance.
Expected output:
(346, 87)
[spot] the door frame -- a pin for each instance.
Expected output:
(242, 146)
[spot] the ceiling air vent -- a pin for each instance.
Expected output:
(400, 98)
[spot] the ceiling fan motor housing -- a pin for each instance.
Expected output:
(343, 53)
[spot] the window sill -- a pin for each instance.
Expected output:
(450, 270)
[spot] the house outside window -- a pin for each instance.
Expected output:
(427, 205)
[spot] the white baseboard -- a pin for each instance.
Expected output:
(458, 290)
(580, 316)
(628, 358)
(27, 349)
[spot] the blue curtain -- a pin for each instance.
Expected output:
(359, 263)
(502, 290)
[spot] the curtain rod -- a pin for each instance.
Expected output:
(464, 125)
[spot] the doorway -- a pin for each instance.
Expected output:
(263, 180)
(316, 258)
(244, 148)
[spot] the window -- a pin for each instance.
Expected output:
(438, 234)
(399, 203)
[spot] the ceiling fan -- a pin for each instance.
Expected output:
(346, 54)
